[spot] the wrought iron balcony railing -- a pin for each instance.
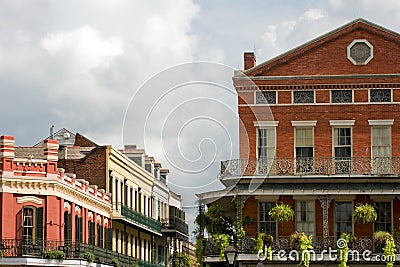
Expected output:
(72, 250)
(137, 217)
(360, 244)
(311, 166)
(175, 224)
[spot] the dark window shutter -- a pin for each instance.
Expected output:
(39, 223)
(78, 229)
(19, 224)
(109, 238)
(101, 230)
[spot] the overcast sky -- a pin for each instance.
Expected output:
(112, 70)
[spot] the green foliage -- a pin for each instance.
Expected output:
(262, 240)
(247, 220)
(364, 213)
(53, 255)
(305, 244)
(213, 219)
(282, 213)
(115, 262)
(343, 249)
(199, 250)
(135, 264)
(180, 260)
(239, 232)
(390, 247)
(89, 256)
(1, 254)
(380, 236)
(222, 241)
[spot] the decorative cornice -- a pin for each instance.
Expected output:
(32, 199)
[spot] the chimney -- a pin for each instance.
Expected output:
(51, 149)
(7, 146)
(6, 153)
(249, 60)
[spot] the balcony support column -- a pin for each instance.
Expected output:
(325, 201)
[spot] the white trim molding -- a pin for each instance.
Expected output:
(67, 206)
(266, 123)
(367, 44)
(342, 122)
(32, 199)
(381, 122)
(303, 123)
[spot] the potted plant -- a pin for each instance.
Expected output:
(365, 213)
(88, 256)
(282, 212)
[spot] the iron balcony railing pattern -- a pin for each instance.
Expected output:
(311, 166)
(175, 224)
(137, 217)
(247, 245)
(72, 250)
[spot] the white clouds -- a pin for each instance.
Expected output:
(85, 46)
(313, 14)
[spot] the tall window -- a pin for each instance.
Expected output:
(304, 149)
(384, 219)
(266, 223)
(343, 218)
(305, 216)
(381, 148)
(78, 229)
(266, 143)
(91, 229)
(28, 227)
(67, 225)
(266, 140)
(100, 235)
(342, 149)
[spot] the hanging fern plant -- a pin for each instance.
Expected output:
(364, 213)
(282, 213)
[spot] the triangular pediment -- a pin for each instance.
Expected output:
(358, 47)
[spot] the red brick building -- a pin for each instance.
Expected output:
(44, 209)
(320, 131)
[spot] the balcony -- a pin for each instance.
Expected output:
(20, 248)
(175, 224)
(310, 166)
(140, 219)
(284, 246)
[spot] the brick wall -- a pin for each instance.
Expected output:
(322, 131)
(92, 168)
(251, 209)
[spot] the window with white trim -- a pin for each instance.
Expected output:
(266, 143)
(304, 148)
(381, 149)
(266, 146)
(303, 97)
(265, 97)
(342, 149)
(305, 216)
(380, 95)
(341, 96)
